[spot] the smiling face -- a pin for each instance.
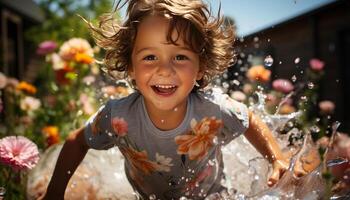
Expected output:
(164, 73)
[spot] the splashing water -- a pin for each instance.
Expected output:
(268, 61)
(246, 171)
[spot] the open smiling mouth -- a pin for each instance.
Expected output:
(164, 90)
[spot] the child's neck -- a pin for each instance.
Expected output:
(167, 119)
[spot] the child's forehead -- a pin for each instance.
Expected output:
(156, 29)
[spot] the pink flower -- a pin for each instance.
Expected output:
(18, 152)
(326, 107)
(282, 85)
(316, 64)
(120, 126)
(46, 47)
(3, 80)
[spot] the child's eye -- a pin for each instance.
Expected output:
(150, 58)
(181, 57)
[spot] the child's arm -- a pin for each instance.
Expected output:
(72, 153)
(259, 135)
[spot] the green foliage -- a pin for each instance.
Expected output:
(62, 21)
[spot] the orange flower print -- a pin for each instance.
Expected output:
(200, 139)
(139, 160)
(120, 126)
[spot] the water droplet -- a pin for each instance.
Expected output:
(225, 85)
(152, 197)
(211, 163)
(337, 161)
(280, 62)
(215, 140)
(310, 85)
(314, 129)
(236, 82)
(79, 113)
(68, 172)
(294, 78)
(268, 61)
(268, 40)
(2, 191)
(251, 170)
(301, 72)
(297, 60)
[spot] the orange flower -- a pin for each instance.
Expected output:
(51, 134)
(198, 141)
(139, 160)
(258, 73)
(83, 58)
(26, 87)
(286, 109)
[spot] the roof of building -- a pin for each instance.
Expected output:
(26, 7)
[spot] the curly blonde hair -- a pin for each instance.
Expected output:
(203, 33)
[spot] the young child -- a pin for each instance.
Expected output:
(169, 131)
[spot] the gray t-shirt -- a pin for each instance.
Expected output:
(185, 161)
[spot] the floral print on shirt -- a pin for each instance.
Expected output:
(197, 142)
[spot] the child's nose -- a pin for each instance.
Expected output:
(166, 69)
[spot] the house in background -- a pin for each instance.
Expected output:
(16, 16)
(323, 33)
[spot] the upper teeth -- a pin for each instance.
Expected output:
(165, 86)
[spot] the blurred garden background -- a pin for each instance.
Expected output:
(51, 82)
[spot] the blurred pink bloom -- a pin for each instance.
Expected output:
(326, 107)
(87, 107)
(18, 152)
(316, 64)
(46, 47)
(57, 62)
(248, 88)
(30, 103)
(3, 80)
(120, 126)
(282, 85)
(238, 96)
(12, 82)
(74, 46)
(89, 79)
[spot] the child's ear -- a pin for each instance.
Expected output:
(131, 72)
(200, 75)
